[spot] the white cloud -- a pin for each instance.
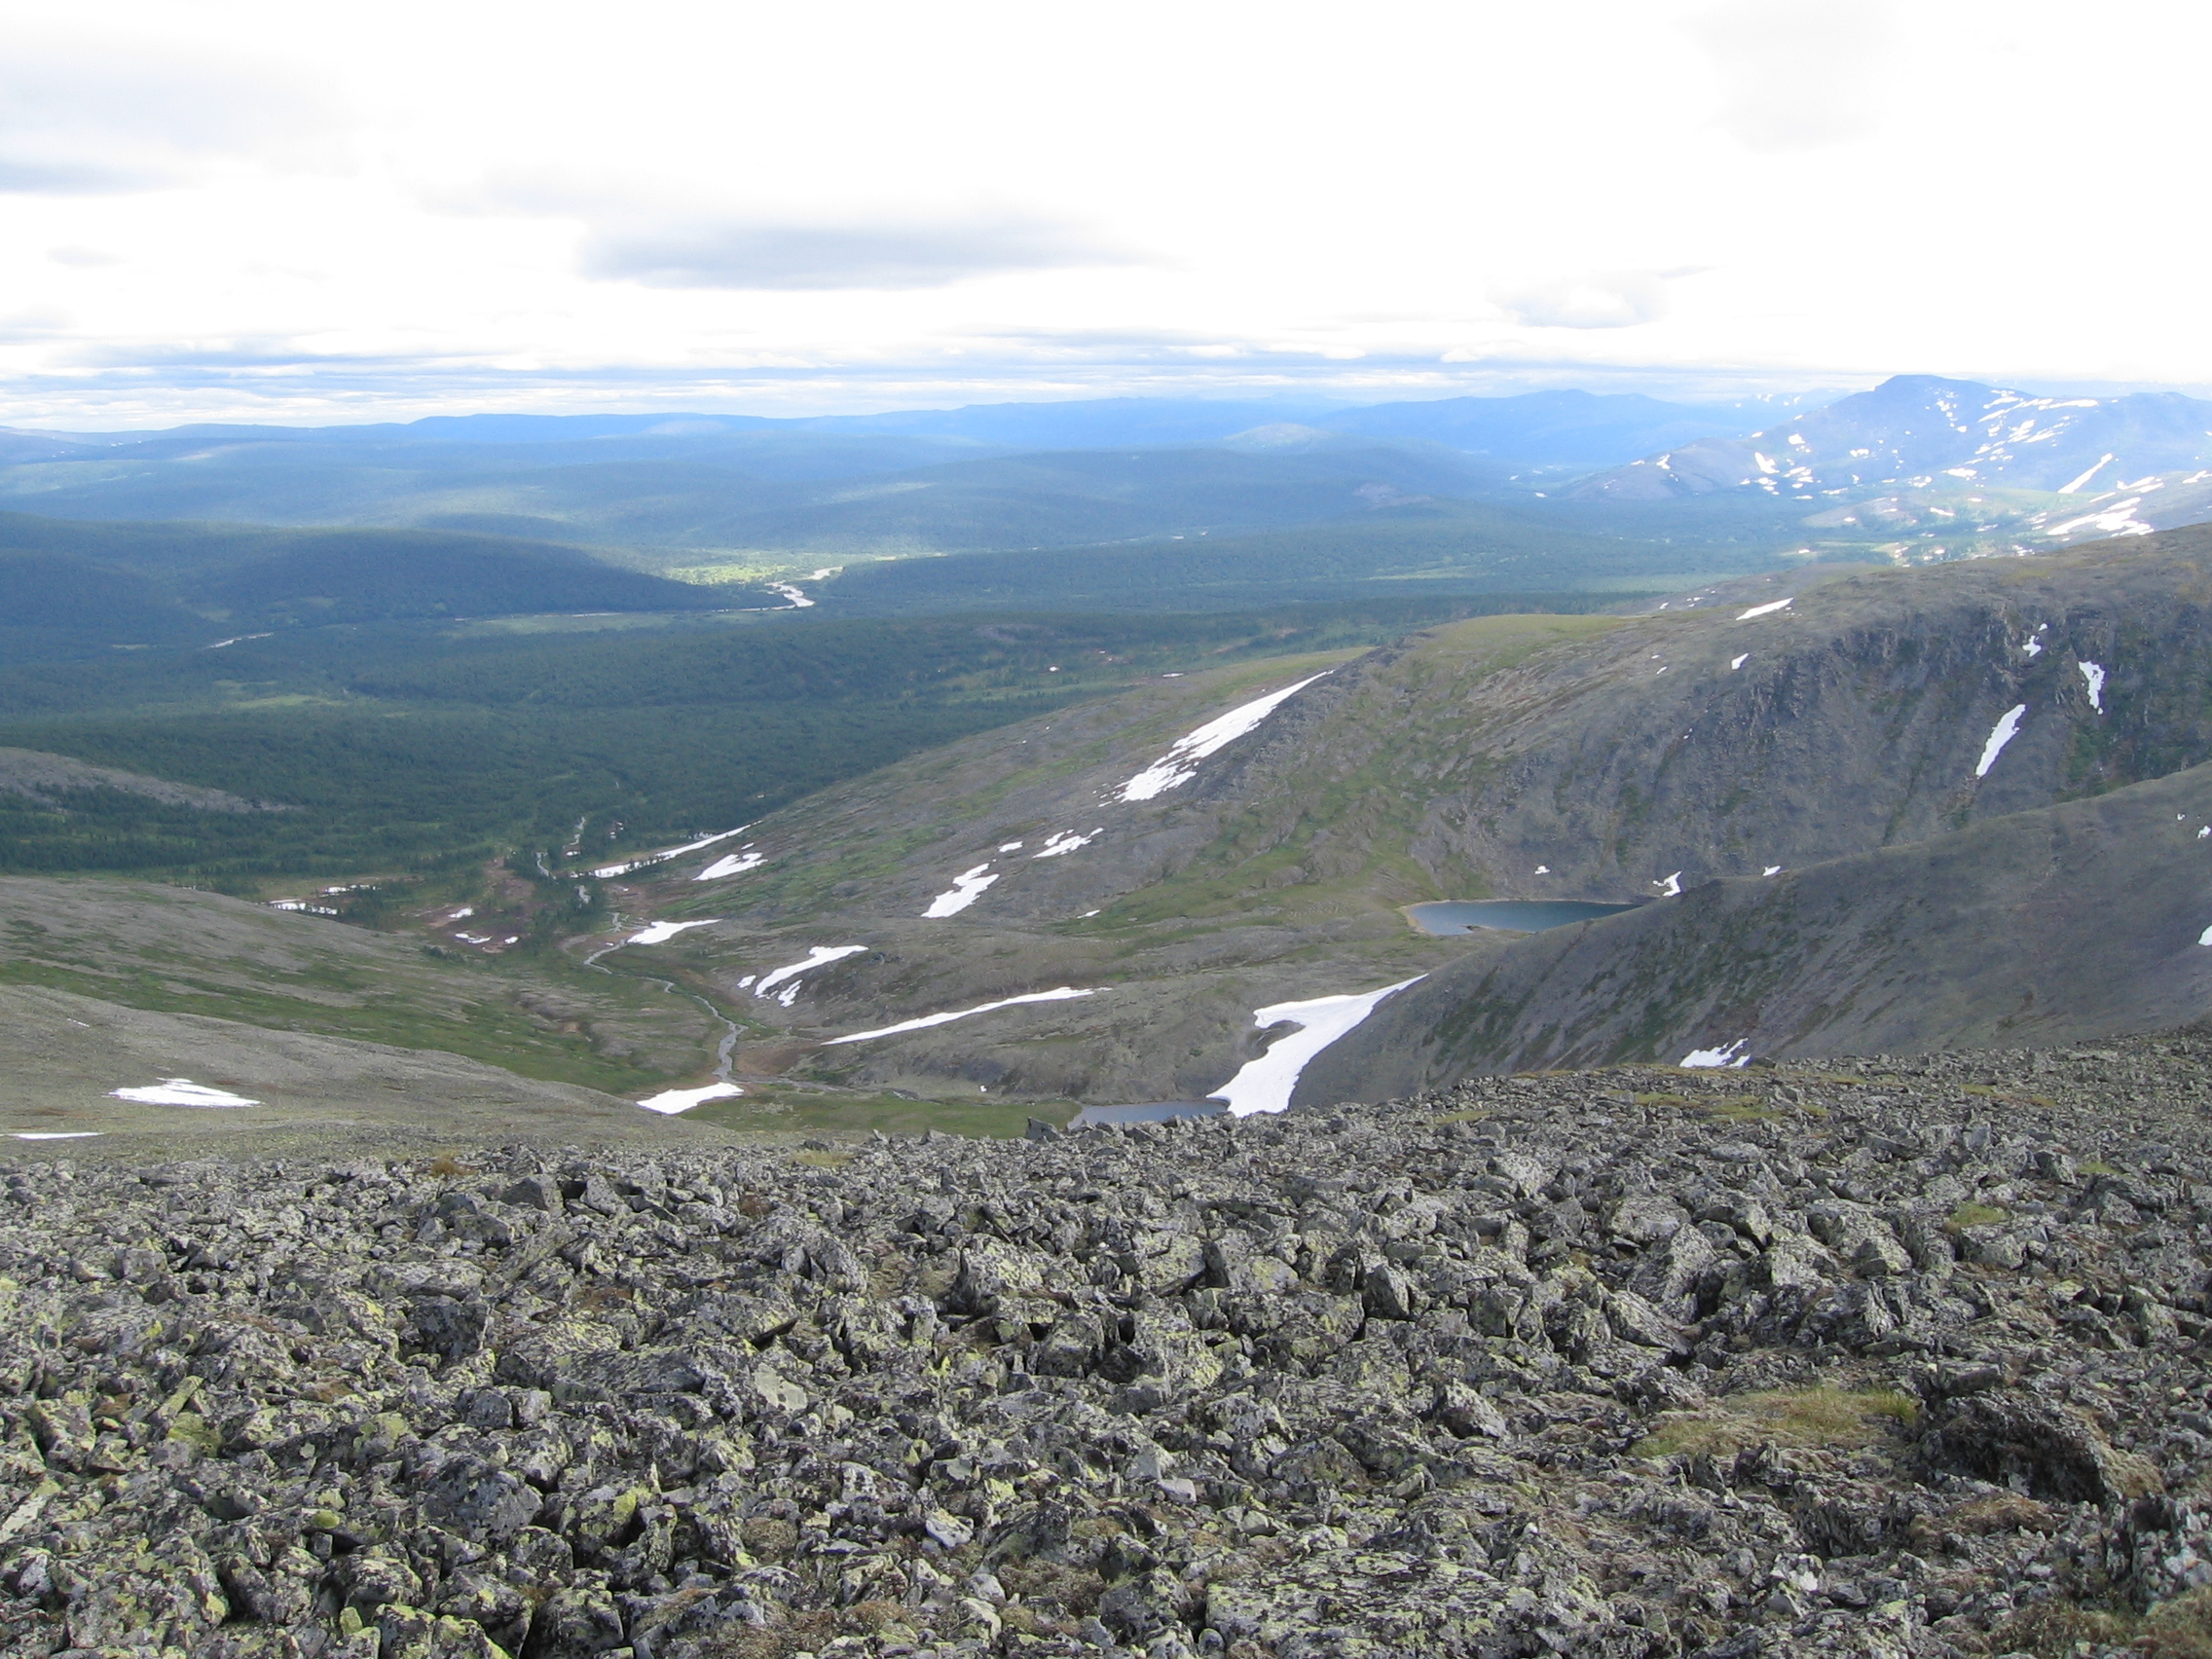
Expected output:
(880, 253)
(1618, 299)
(1799, 74)
(80, 119)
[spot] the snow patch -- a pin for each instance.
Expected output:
(818, 956)
(1009, 846)
(1671, 887)
(2117, 518)
(1264, 1085)
(965, 891)
(730, 864)
(1067, 841)
(1736, 1054)
(1771, 869)
(2070, 488)
(671, 1101)
(2093, 677)
(2205, 938)
(1179, 765)
(1063, 993)
(1767, 609)
(658, 933)
(180, 1091)
(65, 1134)
(2007, 729)
(1734, 663)
(667, 853)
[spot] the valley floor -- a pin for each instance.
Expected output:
(1879, 1357)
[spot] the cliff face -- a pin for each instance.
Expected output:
(1860, 715)
(2056, 925)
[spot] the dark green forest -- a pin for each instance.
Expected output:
(409, 748)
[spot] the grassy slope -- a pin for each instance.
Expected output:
(175, 951)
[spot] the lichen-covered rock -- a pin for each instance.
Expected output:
(1848, 1364)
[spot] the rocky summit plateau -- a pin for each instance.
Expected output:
(1879, 1357)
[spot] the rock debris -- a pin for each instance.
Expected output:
(1902, 1357)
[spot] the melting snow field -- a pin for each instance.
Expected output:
(61, 1134)
(1064, 993)
(818, 956)
(1067, 841)
(2007, 729)
(965, 891)
(1736, 1054)
(2117, 518)
(1264, 1085)
(2093, 677)
(1672, 887)
(666, 853)
(730, 864)
(671, 1101)
(1179, 765)
(1767, 609)
(1734, 663)
(180, 1091)
(657, 933)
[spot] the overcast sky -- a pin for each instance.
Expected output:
(221, 209)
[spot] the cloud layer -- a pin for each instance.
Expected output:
(733, 253)
(244, 204)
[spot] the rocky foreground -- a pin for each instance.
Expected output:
(1906, 1359)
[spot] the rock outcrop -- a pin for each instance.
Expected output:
(1903, 1360)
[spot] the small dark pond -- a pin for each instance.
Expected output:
(1509, 915)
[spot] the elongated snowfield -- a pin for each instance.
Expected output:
(1767, 609)
(671, 1101)
(181, 1091)
(2008, 727)
(667, 853)
(66, 1134)
(1264, 1085)
(1179, 765)
(818, 956)
(1064, 993)
(730, 864)
(658, 933)
(965, 889)
(2093, 677)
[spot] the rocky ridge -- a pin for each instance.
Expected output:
(1900, 1360)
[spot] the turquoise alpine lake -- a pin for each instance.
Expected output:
(1507, 916)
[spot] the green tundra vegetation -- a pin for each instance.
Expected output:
(415, 747)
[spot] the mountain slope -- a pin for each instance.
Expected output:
(1527, 757)
(171, 950)
(66, 586)
(2043, 928)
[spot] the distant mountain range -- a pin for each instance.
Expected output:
(1542, 427)
(2135, 464)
